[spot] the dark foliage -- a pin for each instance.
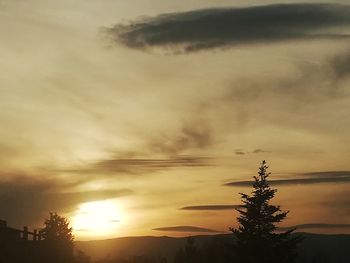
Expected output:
(213, 250)
(57, 229)
(256, 236)
(57, 244)
(188, 255)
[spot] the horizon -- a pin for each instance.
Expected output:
(198, 235)
(146, 118)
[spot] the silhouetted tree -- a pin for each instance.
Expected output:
(57, 239)
(188, 254)
(57, 229)
(180, 256)
(191, 250)
(256, 237)
(217, 249)
(80, 257)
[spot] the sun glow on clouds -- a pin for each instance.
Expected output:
(99, 218)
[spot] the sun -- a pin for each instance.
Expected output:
(99, 218)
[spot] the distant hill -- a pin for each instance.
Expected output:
(325, 248)
(315, 247)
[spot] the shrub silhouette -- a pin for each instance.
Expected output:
(57, 244)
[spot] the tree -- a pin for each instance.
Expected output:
(80, 257)
(191, 250)
(256, 236)
(188, 254)
(57, 229)
(57, 239)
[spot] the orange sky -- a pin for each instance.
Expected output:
(117, 117)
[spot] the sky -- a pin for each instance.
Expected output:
(150, 117)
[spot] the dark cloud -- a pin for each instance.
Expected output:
(239, 152)
(194, 135)
(123, 164)
(296, 181)
(210, 207)
(141, 165)
(307, 178)
(159, 152)
(25, 201)
(223, 27)
(316, 226)
(192, 229)
(341, 65)
(256, 151)
(329, 174)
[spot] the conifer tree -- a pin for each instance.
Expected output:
(256, 236)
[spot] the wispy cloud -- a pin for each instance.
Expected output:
(341, 65)
(306, 178)
(239, 152)
(157, 152)
(188, 229)
(116, 164)
(196, 134)
(256, 151)
(223, 27)
(316, 226)
(141, 165)
(209, 207)
(337, 203)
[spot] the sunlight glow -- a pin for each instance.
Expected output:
(97, 218)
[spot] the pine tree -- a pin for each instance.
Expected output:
(256, 236)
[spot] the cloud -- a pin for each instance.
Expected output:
(239, 152)
(194, 135)
(256, 151)
(141, 165)
(25, 201)
(192, 229)
(159, 152)
(341, 65)
(316, 225)
(210, 207)
(287, 99)
(329, 173)
(295, 181)
(223, 27)
(337, 203)
(123, 164)
(307, 178)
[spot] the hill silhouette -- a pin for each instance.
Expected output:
(314, 248)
